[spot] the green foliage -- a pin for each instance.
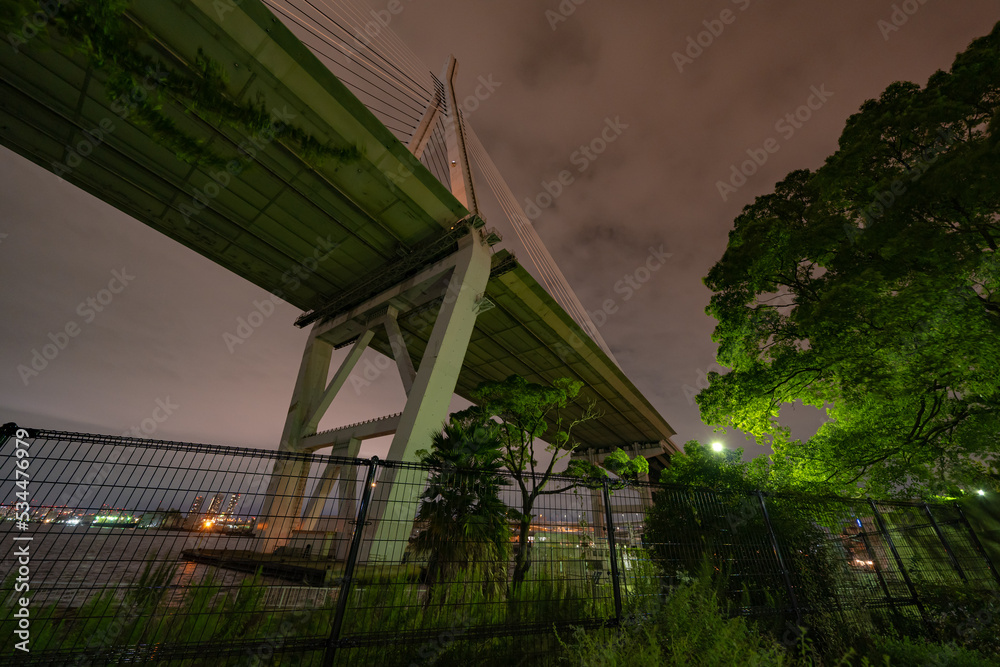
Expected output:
(153, 584)
(923, 653)
(141, 85)
(692, 625)
(710, 525)
(524, 414)
(692, 628)
(871, 288)
(687, 525)
(966, 615)
(620, 464)
(530, 412)
(718, 471)
(464, 522)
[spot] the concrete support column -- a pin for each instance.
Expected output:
(314, 508)
(347, 493)
(337, 383)
(399, 351)
(430, 397)
(347, 510)
(597, 514)
(335, 470)
(288, 478)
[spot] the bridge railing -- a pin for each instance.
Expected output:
(399, 563)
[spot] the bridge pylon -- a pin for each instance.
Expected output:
(458, 281)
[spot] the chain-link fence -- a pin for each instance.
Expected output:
(119, 550)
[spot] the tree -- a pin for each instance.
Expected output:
(718, 471)
(683, 514)
(464, 522)
(688, 527)
(871, 288)
(526, 413)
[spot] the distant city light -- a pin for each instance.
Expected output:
(717, 447)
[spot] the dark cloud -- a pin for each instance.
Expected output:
(563, 58)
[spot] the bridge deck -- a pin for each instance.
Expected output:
(359, 214)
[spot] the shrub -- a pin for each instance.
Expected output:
(923, 653)
(691, 628)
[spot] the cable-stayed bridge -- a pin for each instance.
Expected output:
(355, 201)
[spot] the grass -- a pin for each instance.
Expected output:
(149, 617)
(393, 620)
(694, 627)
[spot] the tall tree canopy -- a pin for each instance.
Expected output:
(523, 413)
(870, 288)
(718, 471)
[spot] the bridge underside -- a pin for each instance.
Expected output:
(527, 334)
(363, 237)
(310, 231)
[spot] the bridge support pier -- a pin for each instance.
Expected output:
(288, 478)
(429, 394)
(335, 473)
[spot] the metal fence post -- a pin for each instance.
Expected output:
(615, 583)
(944, 543)
(878, 572)
(899, 561)
(6, 431)
(977, 543)
(352, 557)
(781, 561)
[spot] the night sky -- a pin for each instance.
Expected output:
(685, 116)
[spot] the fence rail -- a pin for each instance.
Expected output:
(137, 550)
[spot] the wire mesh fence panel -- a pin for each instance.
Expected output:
(918, 542)
(154, 549)
(136, 551)
(840, 564)
(966, 556)
(798, 560)
(441, 553)
(726, 532)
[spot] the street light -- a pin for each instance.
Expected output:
(717, 447)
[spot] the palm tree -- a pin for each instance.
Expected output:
(465, 530)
